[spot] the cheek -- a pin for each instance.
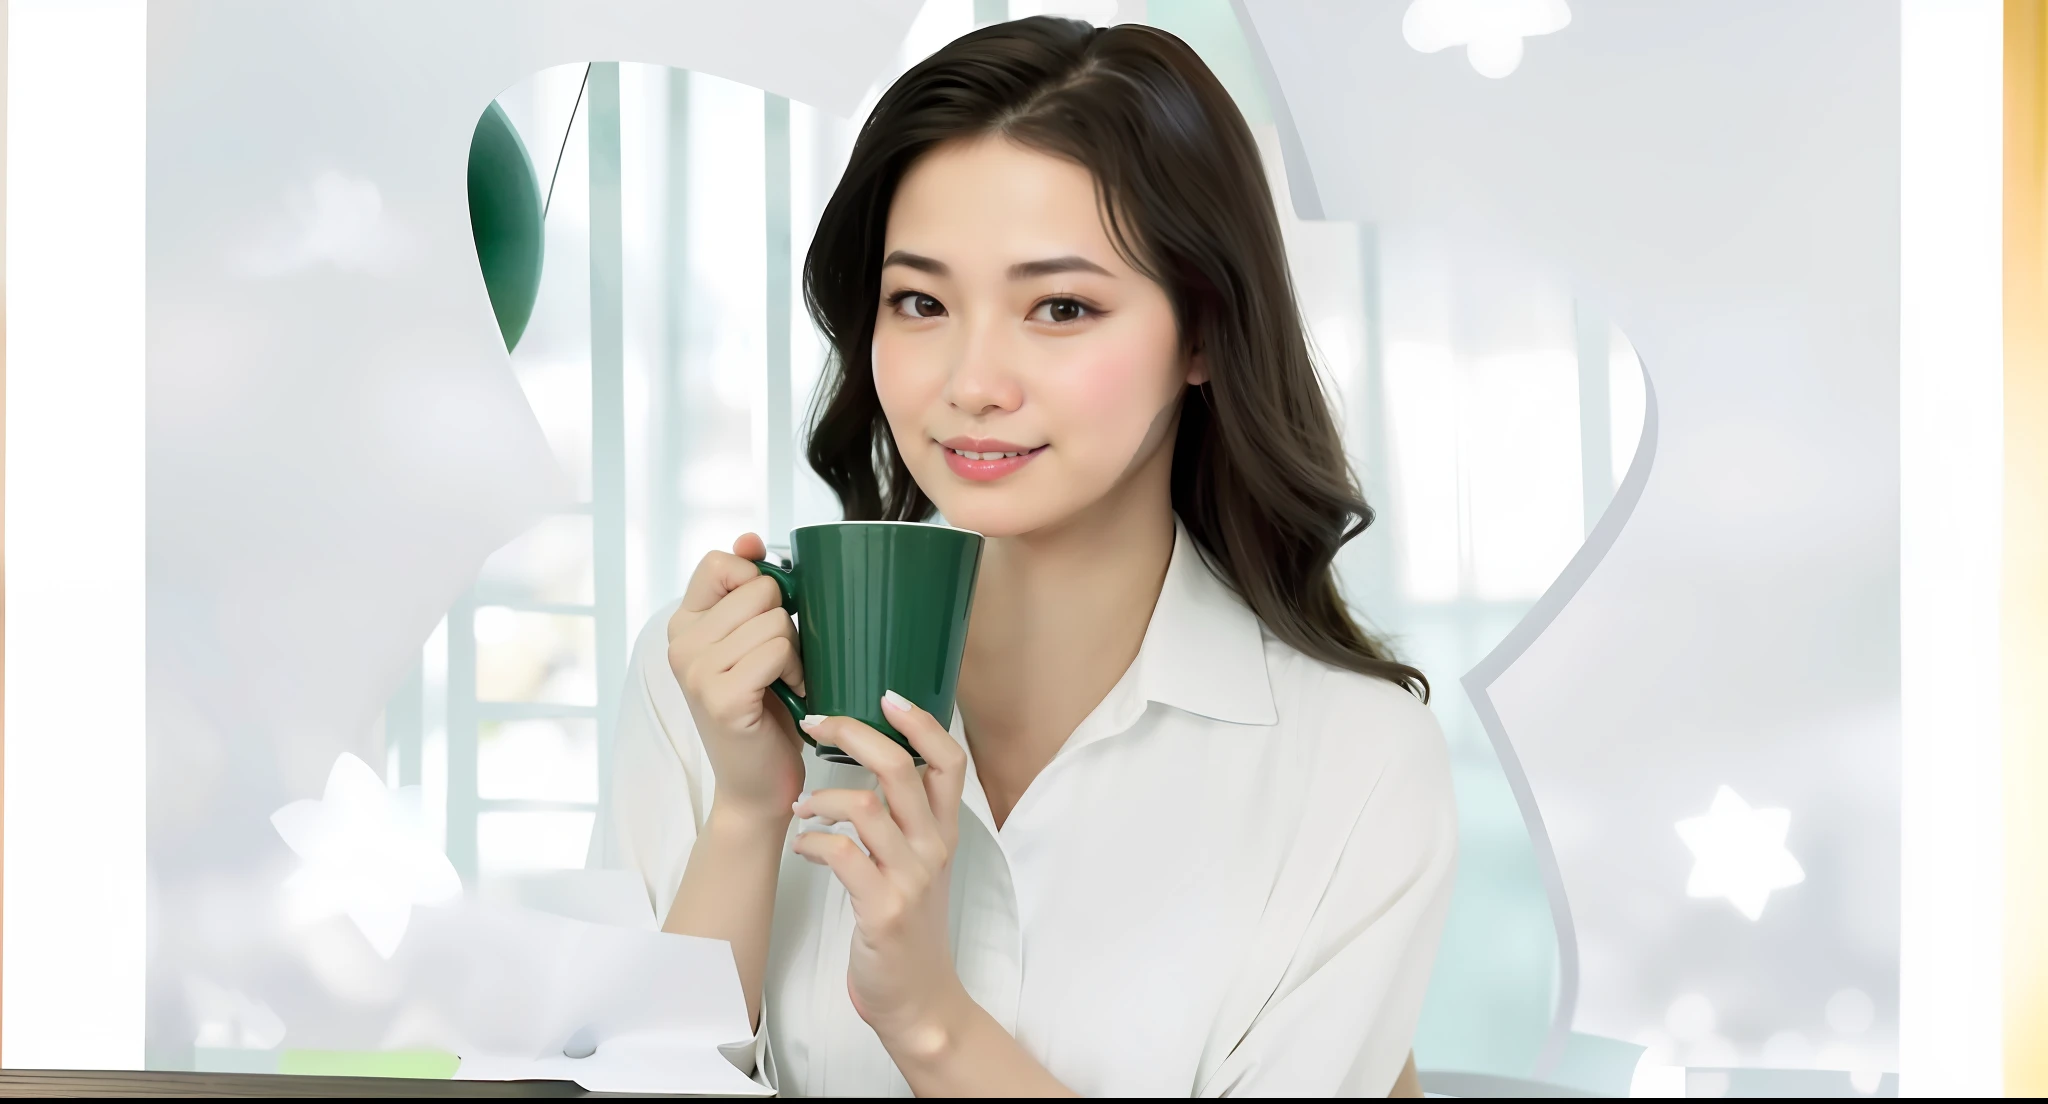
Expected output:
(903, 382)
(1114, 392)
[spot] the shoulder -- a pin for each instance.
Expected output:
(1363, 726)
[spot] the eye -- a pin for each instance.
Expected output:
(1062, 311)
(916, 304)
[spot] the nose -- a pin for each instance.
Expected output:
(982, 379)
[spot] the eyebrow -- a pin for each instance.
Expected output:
(1025, 270)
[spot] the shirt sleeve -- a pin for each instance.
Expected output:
(661, 789)
(661, 781)
(1343, 1017)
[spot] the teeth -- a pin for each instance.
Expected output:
(986, 455)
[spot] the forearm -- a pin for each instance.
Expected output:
(965, 1052)
(728, 892)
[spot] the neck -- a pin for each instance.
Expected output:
(1058, 617)
(1069, 587)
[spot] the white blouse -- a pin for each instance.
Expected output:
(1231, 879)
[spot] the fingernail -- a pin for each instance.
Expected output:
(896, 701)
(812, 721)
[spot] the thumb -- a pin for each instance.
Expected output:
(750, 546)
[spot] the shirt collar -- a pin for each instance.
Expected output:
(1204, 652)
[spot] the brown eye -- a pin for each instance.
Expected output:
(1061, 311)
(916, 304)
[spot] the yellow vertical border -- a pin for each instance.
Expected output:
(2025, 622)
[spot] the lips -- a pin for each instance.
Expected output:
(982, 459)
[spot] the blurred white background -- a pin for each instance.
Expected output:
(1790, 281)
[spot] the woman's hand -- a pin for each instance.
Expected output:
(900, 973)
(730, 640)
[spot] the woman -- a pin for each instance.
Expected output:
(1191, 830)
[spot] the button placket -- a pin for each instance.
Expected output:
(988, 944)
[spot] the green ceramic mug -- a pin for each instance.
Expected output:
(879, 606)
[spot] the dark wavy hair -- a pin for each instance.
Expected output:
(1259, 473)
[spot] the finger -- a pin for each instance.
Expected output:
(753, 672)
(755, 631)
(718, 574)
(857, 872)
(908, 805)
(727, 701)
(863, 809)
(750, 547)
(945, 773)
(742, 604)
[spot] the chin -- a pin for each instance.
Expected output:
(997, 513)
(991, 519)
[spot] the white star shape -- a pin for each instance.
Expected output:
(1739, 853)
(364, 852)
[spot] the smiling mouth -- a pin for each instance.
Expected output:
(971, 455)
(985, 466)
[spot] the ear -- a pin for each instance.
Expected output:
(1198, 368)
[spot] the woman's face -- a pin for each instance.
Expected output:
(1009, 324)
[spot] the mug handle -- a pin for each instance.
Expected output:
(785, 578)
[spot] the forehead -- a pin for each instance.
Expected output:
(994, 201)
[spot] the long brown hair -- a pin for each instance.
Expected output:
(1259, 473)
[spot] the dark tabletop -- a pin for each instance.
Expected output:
(143, 1083)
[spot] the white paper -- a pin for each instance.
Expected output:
(647, 1062)
(508, 989)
